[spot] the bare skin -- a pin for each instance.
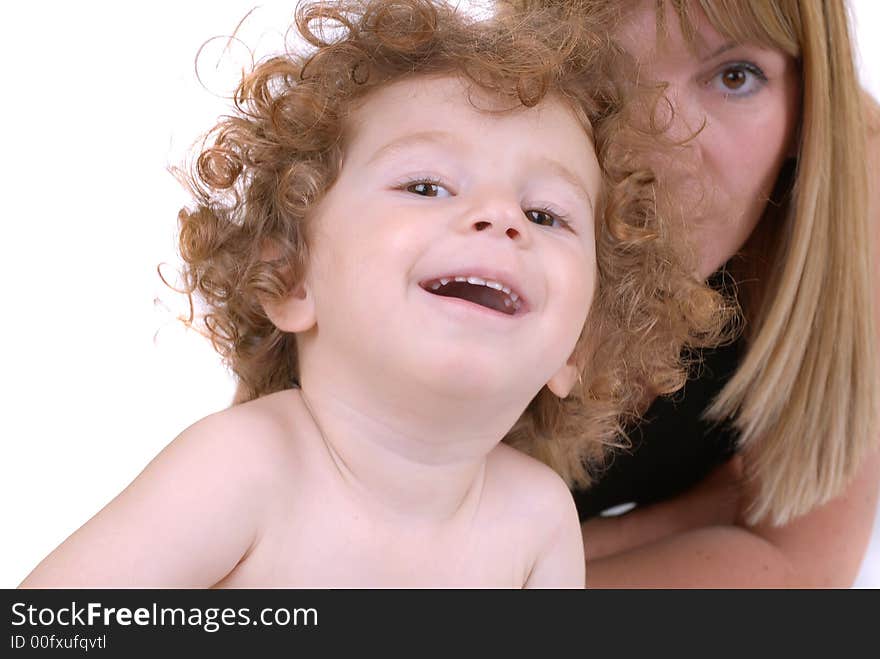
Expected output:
(386, 469)
(253, 497)
(683, 543)
(699, 538)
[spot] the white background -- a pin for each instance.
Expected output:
(99, 98)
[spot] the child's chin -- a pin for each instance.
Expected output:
(474, 378)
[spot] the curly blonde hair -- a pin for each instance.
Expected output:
(264, 168)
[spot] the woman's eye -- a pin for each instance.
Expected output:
(739, 79)
(428, 189)
(543, 218)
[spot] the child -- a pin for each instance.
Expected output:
(398, 239)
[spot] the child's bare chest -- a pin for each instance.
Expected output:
(326, 544)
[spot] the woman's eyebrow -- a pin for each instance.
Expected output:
(723, 48)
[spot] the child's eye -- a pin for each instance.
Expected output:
(738, 79)
(544, 218)
(428, 189)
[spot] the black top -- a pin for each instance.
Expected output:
(673, 448)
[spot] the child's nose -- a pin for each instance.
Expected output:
(500, 217)
(511, 232)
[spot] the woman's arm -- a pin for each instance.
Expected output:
(715, 501)
(823, 548)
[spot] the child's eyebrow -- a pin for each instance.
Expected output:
(444, 137)
(413, 139)
(563, 172)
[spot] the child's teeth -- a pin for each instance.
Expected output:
(512, 299)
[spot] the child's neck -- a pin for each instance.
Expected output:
(424, 464)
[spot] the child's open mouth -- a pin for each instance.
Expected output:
(484, 292)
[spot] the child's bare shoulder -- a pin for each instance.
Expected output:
(528, 486)
(533, 496)
(250, 435)
(191, 514)
(243, 447)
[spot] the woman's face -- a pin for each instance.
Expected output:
(748, 100)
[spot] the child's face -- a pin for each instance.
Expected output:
(432, 190)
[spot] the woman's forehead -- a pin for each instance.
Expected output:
(701, 26)
(657, 34)
(769, 23)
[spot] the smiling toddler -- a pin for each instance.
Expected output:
(416, 240)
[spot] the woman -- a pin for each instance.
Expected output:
(766, 102)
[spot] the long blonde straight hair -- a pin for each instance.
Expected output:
(804, 397)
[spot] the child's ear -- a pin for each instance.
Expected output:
(563, 380)
(294, 313)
